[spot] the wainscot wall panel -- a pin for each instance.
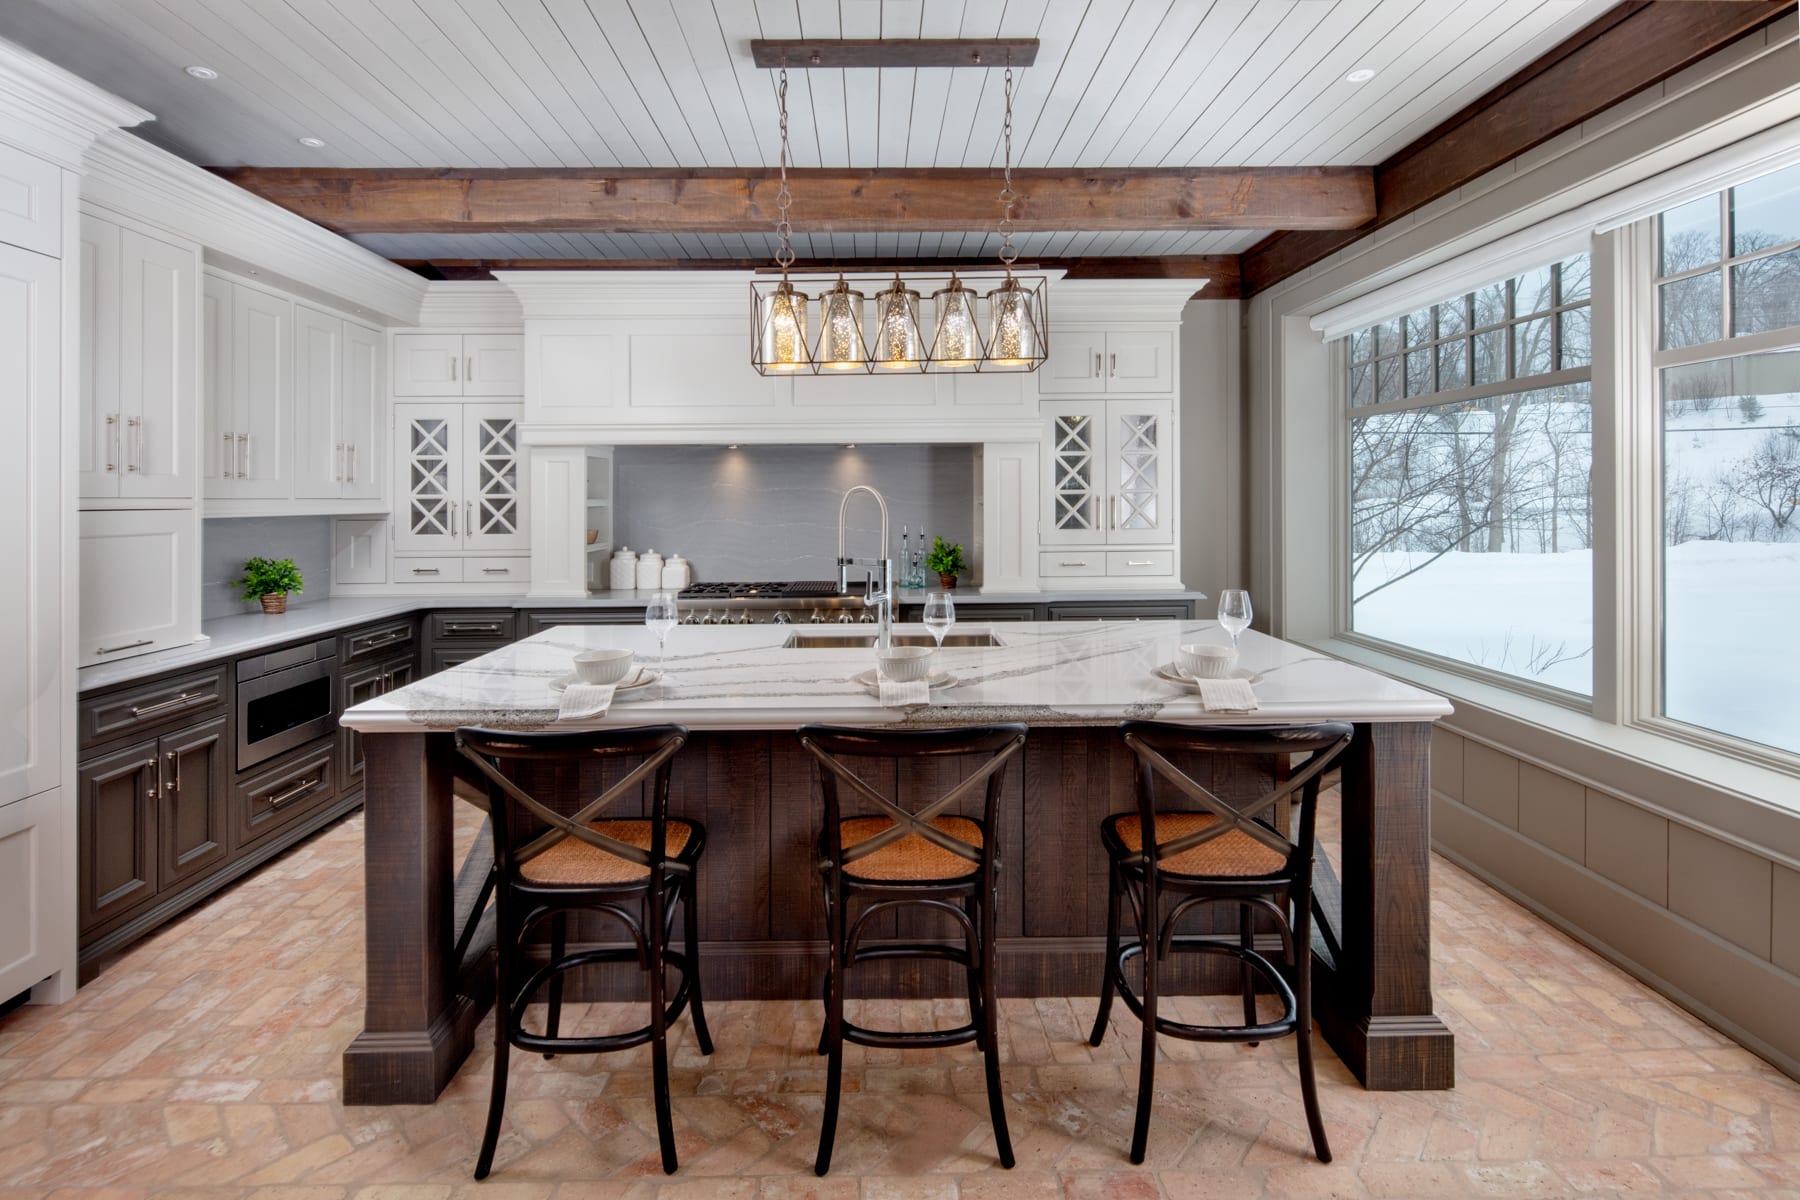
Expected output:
(1628, 845)
(1784, 919)
(1491, 783)
(1722, 887)
(1552, 811)
(1446, 763)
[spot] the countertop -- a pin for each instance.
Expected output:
(245, 633)
(1043, 673)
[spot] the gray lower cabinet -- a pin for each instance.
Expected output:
(455, 636)
(1121, 610)
(196, 776)
(537, 621)
(365, 683)
(117, 831)
(278, 796)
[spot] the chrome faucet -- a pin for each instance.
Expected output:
(881, 566)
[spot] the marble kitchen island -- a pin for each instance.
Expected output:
(743, 690)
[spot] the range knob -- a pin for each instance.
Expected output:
(687, 618)
(866, 619)
(817, 618)
(843, 618)
(780, 618)
(743, 618)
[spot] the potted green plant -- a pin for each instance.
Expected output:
(270, 580)
(946, 558)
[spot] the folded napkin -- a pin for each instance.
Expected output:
(895, 694)
(1225, 695)
(582, 700)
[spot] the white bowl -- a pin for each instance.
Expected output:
(602, 666)
(1206, 660)
(904, 664)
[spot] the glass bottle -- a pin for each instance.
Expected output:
(905, 579)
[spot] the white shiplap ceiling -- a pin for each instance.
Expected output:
(669, 83)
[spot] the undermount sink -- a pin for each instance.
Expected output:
(846, 641)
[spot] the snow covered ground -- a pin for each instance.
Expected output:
(1732, 620)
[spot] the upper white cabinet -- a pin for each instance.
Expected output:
(463, 483)
(30, 202)
(140, 582)
(31, 536)
(1090, 361)
(1108, 478)
(140, 377)
(459, 364)
(295, 411)
(248, 354)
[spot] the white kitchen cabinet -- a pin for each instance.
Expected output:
(321, 462)
(140, 580)
(456, 364)
(1107, 472)
(1125, 361)
(248, 346)
(140, 385)
(364, 413)
(30, 203)
(462, 474)
(33, 863)
(31, 536)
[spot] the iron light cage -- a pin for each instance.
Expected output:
(989, 321)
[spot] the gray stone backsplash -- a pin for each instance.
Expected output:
(770, 512)
(225, 542)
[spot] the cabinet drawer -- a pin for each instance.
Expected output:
(121, 713)
(473, 625)
(1072, 563)
(496, 570)
(1124, 610)
(1140, 562)
(270, 799)
(537, 622)
(377, 641)
(428, 570)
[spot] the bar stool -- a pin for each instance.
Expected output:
(1222, 854)
(917, 858)
(548, 863)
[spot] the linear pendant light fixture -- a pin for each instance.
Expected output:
(1015, 333)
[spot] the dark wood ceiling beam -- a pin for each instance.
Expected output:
(825, 200)
(1626, 50)
(1219, 271)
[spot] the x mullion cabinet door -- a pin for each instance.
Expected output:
(1138, 484)
(428, 480)
(494, 478)
(1075, 480)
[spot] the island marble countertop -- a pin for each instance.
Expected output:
(1042, 673)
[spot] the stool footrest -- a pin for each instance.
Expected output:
(1287, 1023)
(948, 953)
(897, 1039)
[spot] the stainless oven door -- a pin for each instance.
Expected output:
(284, 709)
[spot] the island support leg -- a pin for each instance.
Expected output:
(1377, 1004)
(421, 1012)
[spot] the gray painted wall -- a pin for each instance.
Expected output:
(225, 542)
(770, 512)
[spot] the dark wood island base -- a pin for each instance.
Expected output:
(430, 966)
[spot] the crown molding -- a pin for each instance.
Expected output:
(798, 428)
(579, 294)
(53, 114)
(472, 303)
(129, 175)
(1110, 301)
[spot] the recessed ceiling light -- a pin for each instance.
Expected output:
(201, 72)
(1360, 75)
(311, 143)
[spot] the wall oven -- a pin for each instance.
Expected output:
(285, 698)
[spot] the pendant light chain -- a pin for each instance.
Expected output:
(784, 254)
(1008, 252)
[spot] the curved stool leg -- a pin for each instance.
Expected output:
(1110, 962)
(990, 1047)
(691, 923)
(659, 1046)
(559, 933)
(1247, 976)
(834, 1042)
(1140, 1131)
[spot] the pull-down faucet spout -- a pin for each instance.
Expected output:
(879, 567)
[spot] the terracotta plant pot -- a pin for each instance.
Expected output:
(947, 581)
(275, 602)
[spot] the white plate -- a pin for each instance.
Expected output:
(644, 678)
(1172, 673)
(937, 680)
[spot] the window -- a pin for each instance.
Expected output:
(1470, 456)
(1728, 271)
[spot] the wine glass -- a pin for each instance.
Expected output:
(659, 617)
(1234, 612)
(940, 615)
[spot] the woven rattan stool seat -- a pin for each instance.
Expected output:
(574, 862)
(1234, 854)
(911, 858)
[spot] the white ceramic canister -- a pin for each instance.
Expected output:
(649, 571)
(621, 570)
(676, 574)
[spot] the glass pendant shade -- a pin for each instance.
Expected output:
(841, 346)
(957, 341)
(782, 340)
(1014, 338)
(897, 329)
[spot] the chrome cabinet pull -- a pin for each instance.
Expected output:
(1077, 563)
(458, 627)
(243, 460)
(468, 518)
(174, 772)
(453, 364)
(1096, 364)
(352, 478)
(116, 649)
(377, 643)
(112, 441)
(469, 370)
(136, 427)
(496, 570)
(424, 570)
(337, 463)
(154, 769)
(1112, 512)
(293, 793)
(1114, 370)
(1134, 562)
(228, 464)
(161, 705)
(454, 509)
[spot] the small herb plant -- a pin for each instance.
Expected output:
(946, 558)
(269, 576)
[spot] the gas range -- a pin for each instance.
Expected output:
(811, 601)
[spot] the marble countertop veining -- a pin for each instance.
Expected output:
(247, 632)
(1043, 673)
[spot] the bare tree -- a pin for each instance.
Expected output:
(1769, 478)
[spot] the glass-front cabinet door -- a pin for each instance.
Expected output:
(1074, 509)
(493, 504)
(1138, 491)
(429, 480)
